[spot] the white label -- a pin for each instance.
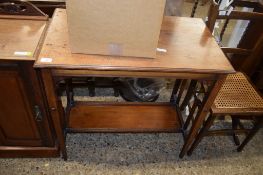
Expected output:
(115, 49)
(19, 53)
(161, 50)
(46, 60)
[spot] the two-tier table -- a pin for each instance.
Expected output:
(189, 51)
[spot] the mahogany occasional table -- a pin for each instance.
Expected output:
(191, 54)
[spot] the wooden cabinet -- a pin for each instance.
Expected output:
(25, 123)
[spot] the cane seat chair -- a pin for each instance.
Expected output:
(237, 97)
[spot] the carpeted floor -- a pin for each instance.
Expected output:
(142, 154)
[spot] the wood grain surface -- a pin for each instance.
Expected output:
(20, 35)
(189, 44)
(123, 117)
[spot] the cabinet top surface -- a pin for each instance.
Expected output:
(189, 47)
(20, 37)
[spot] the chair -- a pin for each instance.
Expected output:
(237, 97)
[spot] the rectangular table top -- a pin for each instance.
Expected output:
(186, 45)
(20, 37)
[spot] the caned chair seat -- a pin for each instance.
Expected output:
(237, 96)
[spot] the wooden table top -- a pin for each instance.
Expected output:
(189, 44)
(19, 38)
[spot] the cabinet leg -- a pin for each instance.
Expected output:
(64, 154)
(56, 110)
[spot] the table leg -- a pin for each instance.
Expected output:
(55, 110)
(177, 84)
(69, 92)
(202, 133)
(202, 113)
(189, 94)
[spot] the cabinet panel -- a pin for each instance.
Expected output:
(18, 125)
(26, 128)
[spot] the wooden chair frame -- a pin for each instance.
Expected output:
(252, 54)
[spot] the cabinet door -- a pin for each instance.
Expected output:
(23, 120)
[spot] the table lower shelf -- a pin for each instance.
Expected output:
(123, 117)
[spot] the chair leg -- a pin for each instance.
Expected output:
(251, 134)
(235, 122)
(175, 90)
(202, 133)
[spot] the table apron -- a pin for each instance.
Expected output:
(142, 74)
